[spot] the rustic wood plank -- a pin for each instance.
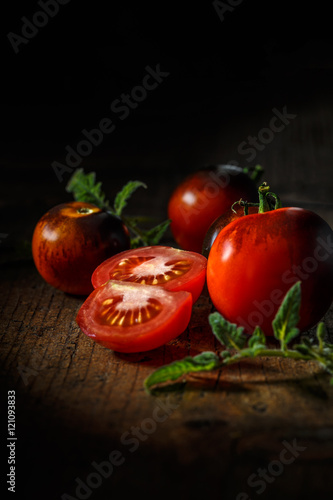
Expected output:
(70, 369)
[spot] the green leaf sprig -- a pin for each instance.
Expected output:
(85, 188)
(238, 345)
(255, 173)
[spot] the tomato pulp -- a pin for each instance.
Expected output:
(131, 317)
(169, 267)
(204, 196)
(256, 259)
(71, 240)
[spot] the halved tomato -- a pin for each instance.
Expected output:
(131, 317)
(169, 267)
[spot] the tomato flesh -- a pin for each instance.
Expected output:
(256, 259)
(169, 267)
(131, 317)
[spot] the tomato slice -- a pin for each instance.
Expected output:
(131, 317)
(169, 267)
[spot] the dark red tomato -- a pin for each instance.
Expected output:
(204, 196)
(131, 317)
(169, 267)
(71, 240)
(256, 259)
(220, 224)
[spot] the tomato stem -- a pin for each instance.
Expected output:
(277, 200)
(84, 210)
(245, 204)
(288, 353)
(265, 203)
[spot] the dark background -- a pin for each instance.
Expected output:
(225, 79)
(64, 79)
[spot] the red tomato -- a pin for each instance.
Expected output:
(257, 258)
(220, 223)
(131, 317)
(204, 196)
(169, 267)
(71, 240)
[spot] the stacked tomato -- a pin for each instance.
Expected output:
(143, 298)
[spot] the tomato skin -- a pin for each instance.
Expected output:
(256, 259)
(192, 280)
(174, 314)
(71, 240)
(223, 220)
(202, 197)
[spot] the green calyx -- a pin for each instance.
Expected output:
(267, 201)
(245, 205)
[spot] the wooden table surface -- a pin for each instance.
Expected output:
(259, 429)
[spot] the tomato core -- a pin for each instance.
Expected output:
(132, 307)
(149, 270)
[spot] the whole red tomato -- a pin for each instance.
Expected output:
(71, 240)
(202, 197)
(255, 260)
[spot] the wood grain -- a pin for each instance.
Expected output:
(78, 401)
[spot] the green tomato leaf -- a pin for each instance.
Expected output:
(225, 354)
(140, 219)
(255, 173)
(258, 348)
(248, 352)
(320, 333)
(205, 361)
(303, 349)
(145, 237)
(123, 196)
(287, 317)
(291, 334)
(229, 334)
(136, 242)
(152, 236)
(257, 338)
(85, 188)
